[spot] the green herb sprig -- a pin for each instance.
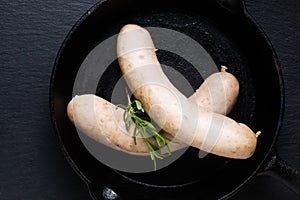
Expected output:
(132, 115)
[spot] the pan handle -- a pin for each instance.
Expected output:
(233, 6)
(101, 192)
(280, 170)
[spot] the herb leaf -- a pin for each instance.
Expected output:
(145, 129)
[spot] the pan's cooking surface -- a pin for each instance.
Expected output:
(222, 49)
(230, 41)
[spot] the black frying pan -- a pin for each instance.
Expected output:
(230, 36)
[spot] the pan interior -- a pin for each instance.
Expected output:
(229, 41)
(222, 50)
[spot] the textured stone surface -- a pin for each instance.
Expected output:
(279, 20)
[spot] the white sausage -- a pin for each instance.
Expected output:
(171, 110)
(86, 109)
(103, 122)
(218, 93)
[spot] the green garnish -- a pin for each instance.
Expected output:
(135, 114)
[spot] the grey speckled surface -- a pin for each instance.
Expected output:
(31, 32)
(279, 19)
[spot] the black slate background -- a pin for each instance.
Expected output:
(32, 165)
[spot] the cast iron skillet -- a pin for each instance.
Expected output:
(226, 31)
